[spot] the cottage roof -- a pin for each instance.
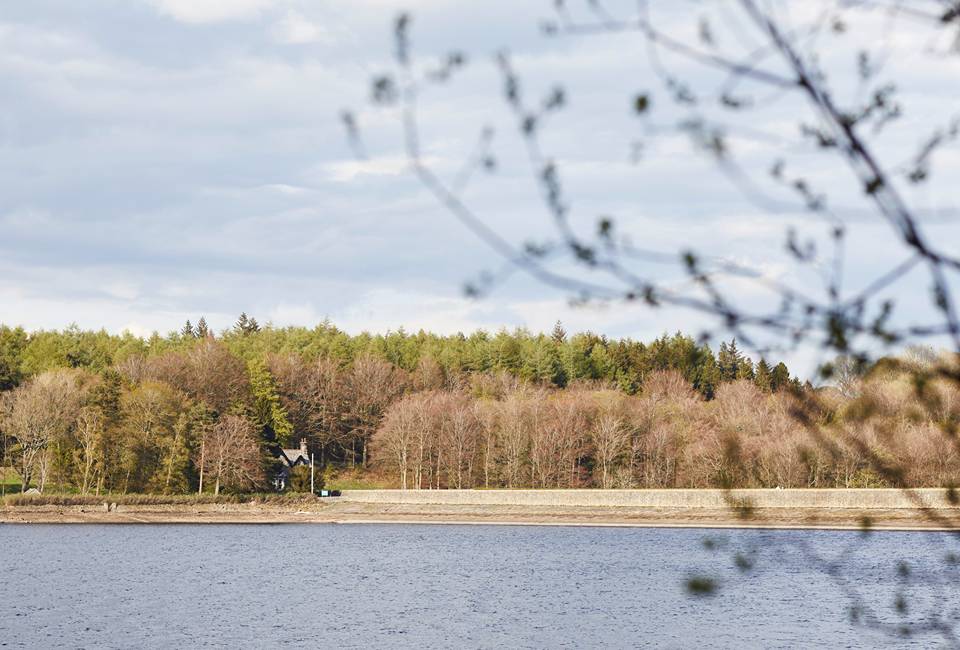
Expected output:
(294, 457)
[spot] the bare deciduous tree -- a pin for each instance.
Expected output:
(315, 397)
(609, 436)
(514, 435)
(41, 412)
(395, 437)
(373, 385)
(459, 440)
(231, 454)
(89, 432)
(486, 413)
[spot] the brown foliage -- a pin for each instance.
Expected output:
(231, 454)
(513, 435)
(37, 415)
(208, 372)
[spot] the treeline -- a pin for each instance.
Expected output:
(194, 410)
(880, 434)
(555, 360)
(198, 412)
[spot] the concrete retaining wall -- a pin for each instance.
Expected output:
(806, 498)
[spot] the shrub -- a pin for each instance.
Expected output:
(300, 479)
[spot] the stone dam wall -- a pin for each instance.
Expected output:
(764, 498)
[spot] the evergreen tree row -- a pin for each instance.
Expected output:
(557, 359)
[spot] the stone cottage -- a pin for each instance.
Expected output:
(290, 458)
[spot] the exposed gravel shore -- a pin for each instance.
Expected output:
(335, 511)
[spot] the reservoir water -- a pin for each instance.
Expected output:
(387, 586)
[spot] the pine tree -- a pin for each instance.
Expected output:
(745, 369)
(246, 325)
(187, 332)
(541, 363)
(780, 377)
(730, 361)
(763, 377)
(506, 352)
(105, 396)
(240, 327)
(268, 410)
(559, 334)
(575, 357)
(202, 330)
(708, 378)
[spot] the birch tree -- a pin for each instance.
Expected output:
(89, 434)
(39, 413)
(232, 454)
(609, 436)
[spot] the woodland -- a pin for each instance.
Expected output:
(196, 411)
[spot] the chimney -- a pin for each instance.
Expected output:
(303, 448)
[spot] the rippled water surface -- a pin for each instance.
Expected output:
(164, 586)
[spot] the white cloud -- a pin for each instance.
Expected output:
(121, 290)
(381, 310)
(136, 329)
(349, 170)
(296, 29)
(286, 314)
(26, 219)
(144, 183)
(210, 11)
(112, 314)
(345, 171)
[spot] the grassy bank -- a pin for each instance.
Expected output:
(828, 509)
(14, 500)
(334, 511)
(357, 479)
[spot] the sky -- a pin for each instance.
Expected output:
(166, 159)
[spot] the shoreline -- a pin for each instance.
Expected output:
(347, 512)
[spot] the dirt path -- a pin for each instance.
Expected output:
(334, 512)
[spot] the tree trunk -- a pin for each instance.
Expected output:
(44, 469)
(173, 451)
(87, 464)
(27, 460)
(216, 487)
(58, 467)
(203, 449)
